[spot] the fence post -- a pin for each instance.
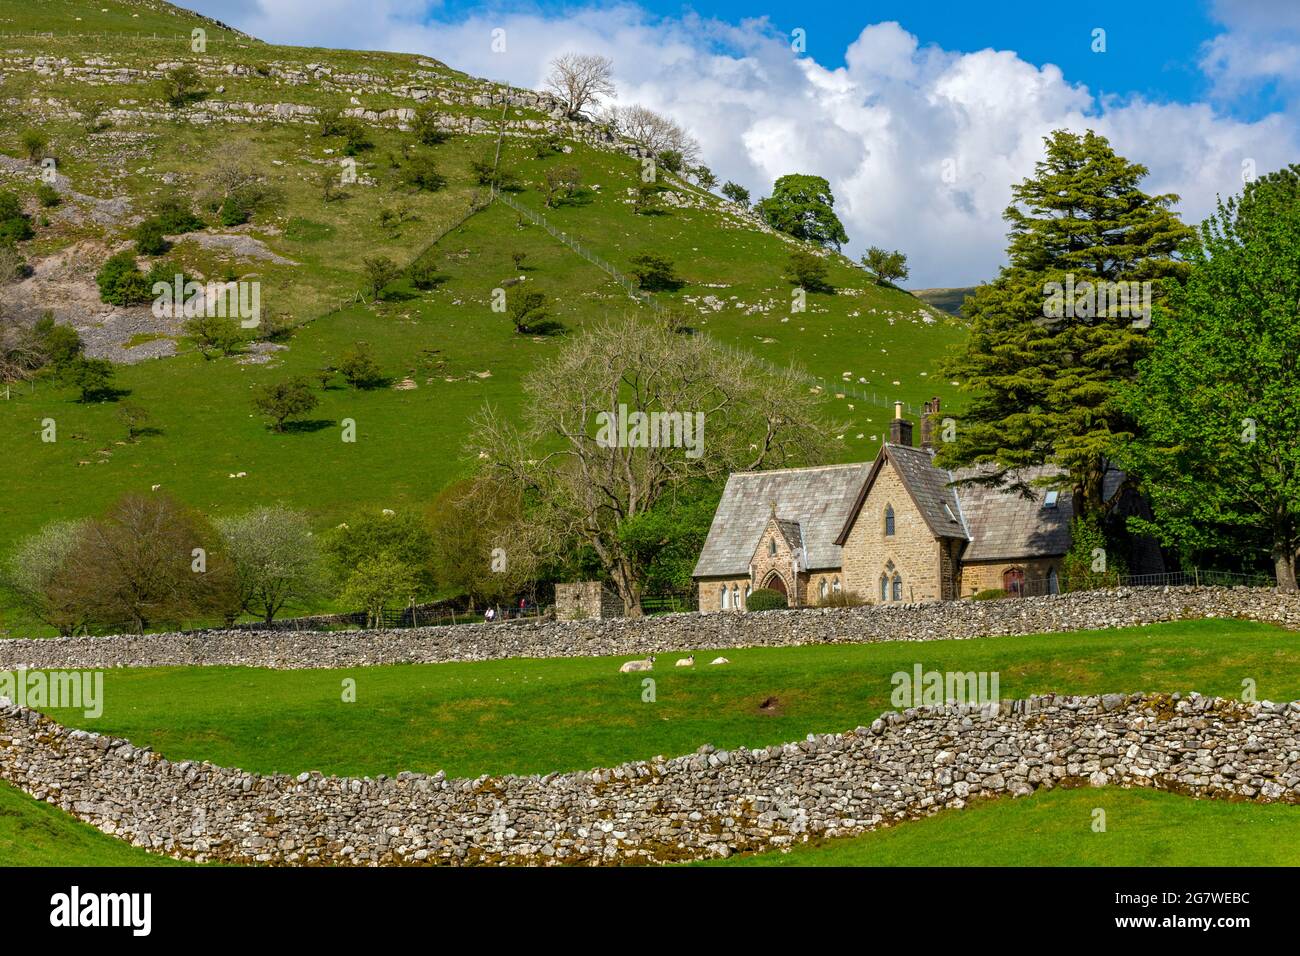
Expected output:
(1196, 576)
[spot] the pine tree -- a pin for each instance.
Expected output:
(1047, 353)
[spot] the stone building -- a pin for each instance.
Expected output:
(894, 529)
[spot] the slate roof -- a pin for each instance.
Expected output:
(817, 506)
(816, 500)
(1006, 525)
(793, 533)
(928, 486)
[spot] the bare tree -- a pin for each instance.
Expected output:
(21, 352)
(148, 561)
(654, 131)
(627, 413)
(578, 78)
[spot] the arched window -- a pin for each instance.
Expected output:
(735, 596)
(835, 585)
(884, 588)
(898, 587)
(889, 521)
(726, 598)
(771, 546)
(1053, 583)
(823, 587)
(749, 589)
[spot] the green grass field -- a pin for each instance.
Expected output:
(536, 716)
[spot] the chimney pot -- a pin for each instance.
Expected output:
(900, 429)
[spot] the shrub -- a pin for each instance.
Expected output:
(736, 193)
(989, 594)
(48, 196)
(93, 378)
(670, 159)
(181, 86)
(13, 266)
(425, 126)
(808, 271)
(527, 310)
(359, 368)
(380, 271)
(401, 537)
(421, 172)
(425, 276)
(284, 400)
(34, 144)
(842, 599)
(214, 333)
(15, 226)
(647, 199)
(356, 138)
(765, 599)
(175, 216)
(233, 212)
(654, 272)
(150, 240)
(121, 283)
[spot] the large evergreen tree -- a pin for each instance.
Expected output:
(1043, 369)
(1218, 399)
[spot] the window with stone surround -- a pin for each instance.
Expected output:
(898, 587)
(889, 521)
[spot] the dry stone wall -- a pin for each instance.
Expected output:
(951, 620)
(709, 804)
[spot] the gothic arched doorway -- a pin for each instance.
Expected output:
(776, 583)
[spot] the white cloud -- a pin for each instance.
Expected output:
(884, 129)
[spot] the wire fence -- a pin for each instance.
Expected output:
(639, 296)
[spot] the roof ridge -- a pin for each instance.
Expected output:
(779, 471)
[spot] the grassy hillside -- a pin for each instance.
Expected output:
(260, 110)
(536, 716)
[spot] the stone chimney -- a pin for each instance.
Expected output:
(929, 412)
(900, 429)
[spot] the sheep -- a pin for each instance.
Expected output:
(719, 660)
(644, 665)
(686, 661)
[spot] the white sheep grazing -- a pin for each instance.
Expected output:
(686, 661)
(643, 665)
(719, 660)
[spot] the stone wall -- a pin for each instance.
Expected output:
(708, 804)
(954, 620)
(586, 600)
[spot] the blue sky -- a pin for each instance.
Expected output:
(1152, 48)
(920, 114)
